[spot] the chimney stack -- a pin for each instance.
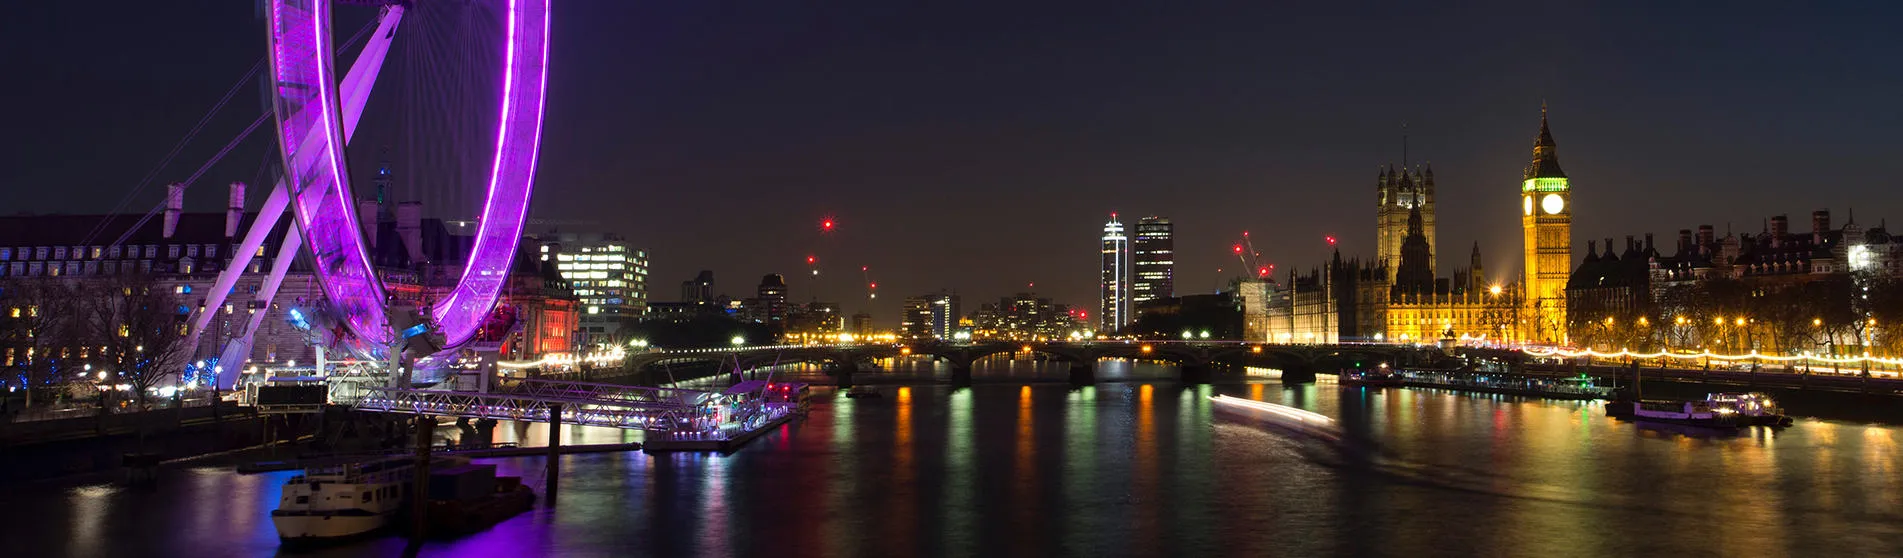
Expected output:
(1780, 226)
(1819, 224)
(1648, 244)
(1684, 242)
(367, 218)
(174, 205)
(234, 210)
(409, 227)
(1706, 238)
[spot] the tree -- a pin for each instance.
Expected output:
(1788, 316)
(1838, 314)
(1886, 308)
(38, 325)
(139, 326)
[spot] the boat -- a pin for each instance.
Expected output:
(861, 391)
(341, 501)
(1689, 413)
(1754, 409)
(1370, 378)
(469, 498)
(1570, 388)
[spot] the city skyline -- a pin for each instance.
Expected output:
(425, 300)
(1282, 154)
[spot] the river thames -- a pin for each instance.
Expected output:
(1137, 465)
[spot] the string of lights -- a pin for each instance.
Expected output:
(1707, 354)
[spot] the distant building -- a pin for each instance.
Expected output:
(700, 289)
(861, 325)
(1206, 316)
(1615, 285)
(609, 276)
(915, 318)
(1255, 297)
(771, 302)
(945, 314)
(1025, 317)
(1116, 308)
(1402, 191)
(815, 321)
(1153, 260)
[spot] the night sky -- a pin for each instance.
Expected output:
(980, 145)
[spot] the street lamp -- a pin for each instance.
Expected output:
(739, 340)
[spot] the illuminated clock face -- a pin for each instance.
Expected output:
(1552, 203)
(1528, 205)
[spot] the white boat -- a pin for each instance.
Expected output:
(343, 500)
(1752, 408)
(1692, 413)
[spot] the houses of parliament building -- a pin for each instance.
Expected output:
(1399, 296)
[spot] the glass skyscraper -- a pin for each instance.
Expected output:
(1154, 260)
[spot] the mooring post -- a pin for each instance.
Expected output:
(554, 449)
(419, 494)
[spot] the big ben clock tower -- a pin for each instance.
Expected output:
(1546, 208)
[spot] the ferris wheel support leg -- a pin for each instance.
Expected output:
(253, 240)
(355, 92)
(239, 349)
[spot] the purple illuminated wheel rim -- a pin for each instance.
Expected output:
(310, 136)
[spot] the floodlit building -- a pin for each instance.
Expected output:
(608, 275)
(1116, 308)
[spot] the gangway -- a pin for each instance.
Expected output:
(585, 411)
(594, 391)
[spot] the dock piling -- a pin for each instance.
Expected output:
(554, 449)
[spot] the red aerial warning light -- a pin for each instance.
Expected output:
(1262, 271)
(875, 285)
(1237, 248)
(810, 260)
(1331, 240)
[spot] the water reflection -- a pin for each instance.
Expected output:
(1119, 468)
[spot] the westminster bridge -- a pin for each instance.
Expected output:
(1194, 360)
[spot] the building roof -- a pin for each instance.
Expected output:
(72, 230)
